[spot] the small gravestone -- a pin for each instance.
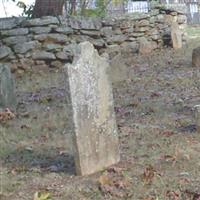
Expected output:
(196, 57)
(7, 88)
(176, 36)
(197, 117)
(91, 100)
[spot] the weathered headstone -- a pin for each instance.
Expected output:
(196, 57)
(197, 117)
(91, 99)
(176, 35)
(7, 90)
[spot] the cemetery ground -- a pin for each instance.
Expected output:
(160, 147)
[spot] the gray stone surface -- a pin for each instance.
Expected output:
(52, 46)
(15, 40)
(57, 38)
(196, 57)
(65, 30)
(95, 131)
(43, 55)
(40, 30)
(116, 39)
(92, 33)
(7, 88)
(107, 31)
(63, 55)
(25, 47)
(98, 43)
(85, 23)
(13, 32)
(8, 23)
(4, 51)
(47, 20)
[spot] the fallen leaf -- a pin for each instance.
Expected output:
(6, 115)
(104, 180)
(148, 175)
(42, 196)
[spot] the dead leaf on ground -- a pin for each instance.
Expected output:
(6, 115)
(105, 180)
(173, 195)
(148, 175)
(42, 196)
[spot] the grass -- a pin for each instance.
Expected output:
(193, 31)
(158, 139)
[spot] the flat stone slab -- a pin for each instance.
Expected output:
(91, 99)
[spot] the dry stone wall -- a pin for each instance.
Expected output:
(28, 44)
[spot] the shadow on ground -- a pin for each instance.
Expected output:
(30, 160)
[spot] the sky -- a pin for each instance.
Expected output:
(11, 9)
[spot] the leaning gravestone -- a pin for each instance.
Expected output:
(176, 35)
(95, 131)
(197, 117)
(7, 88)
(196, 57)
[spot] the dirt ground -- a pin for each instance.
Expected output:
(160, 147)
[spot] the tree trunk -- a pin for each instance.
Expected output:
(48, 7)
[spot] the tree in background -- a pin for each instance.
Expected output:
(72, 7)
(48, 7)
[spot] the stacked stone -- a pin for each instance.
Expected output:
(49, 41)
